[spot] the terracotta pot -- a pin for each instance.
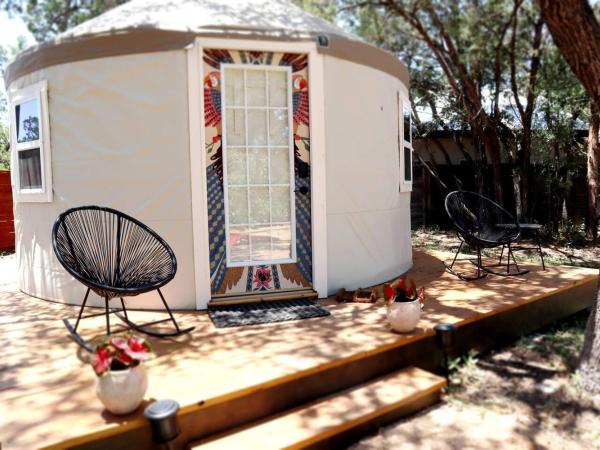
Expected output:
(404, 316)
(122, 391)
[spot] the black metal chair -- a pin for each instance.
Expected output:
(481, 223)
(115, 256)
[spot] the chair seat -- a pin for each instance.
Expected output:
(128, 285)
(489, 237)
(522, 226)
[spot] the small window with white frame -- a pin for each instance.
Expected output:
(30, 144)
(405, 147)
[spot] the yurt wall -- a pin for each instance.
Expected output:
(368, 219)
(119, 138)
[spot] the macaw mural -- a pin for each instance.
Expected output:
(248, 279)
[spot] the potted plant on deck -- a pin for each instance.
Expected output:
(404, 303)
(122, 380)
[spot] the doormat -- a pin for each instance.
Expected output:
(265, 312)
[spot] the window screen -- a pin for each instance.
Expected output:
(407, 164)
(407, 125)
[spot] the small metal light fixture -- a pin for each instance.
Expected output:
(445, 336)
(323, 40)
(162, 416)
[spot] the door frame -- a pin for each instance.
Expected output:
(198, 158)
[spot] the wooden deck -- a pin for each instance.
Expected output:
(227, 377)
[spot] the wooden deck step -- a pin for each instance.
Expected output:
(225, 300)
(338, 419)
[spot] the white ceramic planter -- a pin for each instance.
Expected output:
(404, 316)
(122, 391)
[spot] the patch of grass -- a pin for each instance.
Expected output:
(563, 340)
(460, 369)
(563, 261)
(568, 234)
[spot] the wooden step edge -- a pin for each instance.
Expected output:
(266, 297)
(348, 431)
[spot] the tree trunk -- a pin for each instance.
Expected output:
(525, 111)
(593, 154)
(511, 148)
(524, 171)
(576, 33)
(589, 364)
(491, 143)
(517, 181)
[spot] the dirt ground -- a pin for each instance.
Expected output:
(524, 396)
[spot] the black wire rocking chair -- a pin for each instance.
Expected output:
(481, 223)
(115, 256)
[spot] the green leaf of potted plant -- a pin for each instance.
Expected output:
(122, 380)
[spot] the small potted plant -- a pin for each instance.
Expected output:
(122, 380)
(404, 303)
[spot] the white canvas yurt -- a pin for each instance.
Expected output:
(269, 148)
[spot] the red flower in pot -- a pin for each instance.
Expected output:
(403, 290)
(404, 303)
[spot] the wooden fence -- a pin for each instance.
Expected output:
(7, 226)
(427, 199)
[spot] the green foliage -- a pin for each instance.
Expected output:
(326, 9)
(465, 361)
(47, 18)
(534, 103)
(460, 367)
(4, 150)
(571, 234)
(473, 27)
(3, 61)
(563, 108)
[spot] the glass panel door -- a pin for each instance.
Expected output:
(258, 161)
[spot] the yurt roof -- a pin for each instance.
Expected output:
(142, 26)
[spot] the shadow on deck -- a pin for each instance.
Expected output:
(227, 377)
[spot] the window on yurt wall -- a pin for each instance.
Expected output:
(258, 159)
(31, 144)
(406, 147)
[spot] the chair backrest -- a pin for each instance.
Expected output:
(478, 217)
(107, 249)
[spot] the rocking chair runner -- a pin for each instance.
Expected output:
(115, 256)
(481, 223)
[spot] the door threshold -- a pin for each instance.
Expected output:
(266, 297)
